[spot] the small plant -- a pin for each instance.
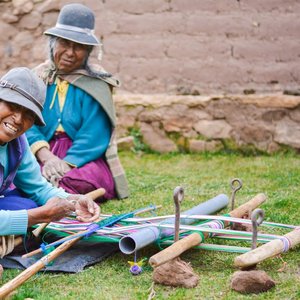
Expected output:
(139, 145)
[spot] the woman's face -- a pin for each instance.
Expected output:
(68, 55)
(14, 121)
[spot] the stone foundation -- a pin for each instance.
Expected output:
(208, 123)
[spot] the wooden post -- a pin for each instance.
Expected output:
(268, 250)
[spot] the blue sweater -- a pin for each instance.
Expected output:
(83, 120)
(29, 180)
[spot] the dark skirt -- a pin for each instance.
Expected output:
(91, 176)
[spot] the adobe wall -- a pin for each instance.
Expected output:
(173, 56)
(173, 46)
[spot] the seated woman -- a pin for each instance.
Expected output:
(32, 200)
(76, 148)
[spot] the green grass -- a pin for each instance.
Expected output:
(152, 178)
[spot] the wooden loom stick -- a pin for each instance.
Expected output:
(195, 239)
(93, 194)
(33, 269)
(271, 249)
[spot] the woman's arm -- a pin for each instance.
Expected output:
(30, 181)
(16, 222)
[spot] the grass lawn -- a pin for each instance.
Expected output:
(152, 178)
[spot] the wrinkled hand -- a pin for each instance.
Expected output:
(85, 208)
(54, 169)
(54, 210)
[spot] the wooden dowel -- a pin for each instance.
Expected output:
(194, 239)
(248, 206)
(93, 194)
(268, 250)
(10, 286)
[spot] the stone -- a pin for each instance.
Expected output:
(177, 273)
(9, 18)
(152, 115)
(156, 138)
(125, 143)
(287, 132)
(250, 133)
(178, 124)
(295, 115)
(31, 21)
(49, 5)
(273, 148)
(254, 281)
(201, 146)
(214, 129)
(128, 116)
(22, 6)
(49, 19)
(6, 32)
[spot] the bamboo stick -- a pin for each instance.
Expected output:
(10, 286)
(93, 194)
(195, 239)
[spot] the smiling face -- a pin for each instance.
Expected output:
(14, 121)
(69, 56)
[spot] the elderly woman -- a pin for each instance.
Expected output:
(26, 198)
(76, 148)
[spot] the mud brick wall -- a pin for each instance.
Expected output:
(173, 46)
(173, 56)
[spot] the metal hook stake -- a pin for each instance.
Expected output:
(178, 196)
(235, 188)
(257, 218)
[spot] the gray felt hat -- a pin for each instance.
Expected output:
(76, 23)
(21, 86)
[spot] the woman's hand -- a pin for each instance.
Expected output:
(54, 210)
(85, 208)
(54, 168)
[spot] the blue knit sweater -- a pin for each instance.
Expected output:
(29, 180)
(83, 120)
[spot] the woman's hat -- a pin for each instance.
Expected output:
(76, 23)
(21, 86)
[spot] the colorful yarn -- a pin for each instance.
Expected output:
(46, 250)
(136, 267)
(286, 243)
